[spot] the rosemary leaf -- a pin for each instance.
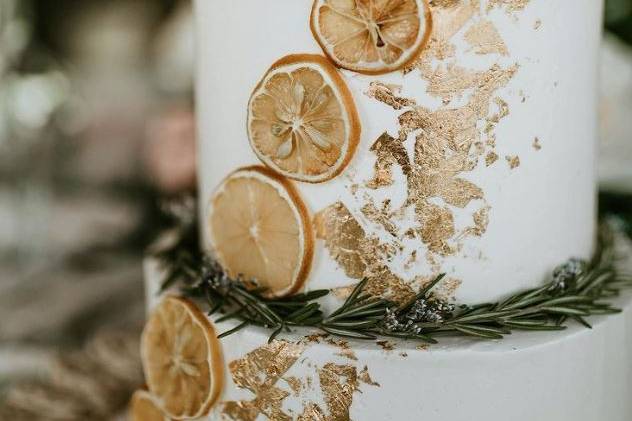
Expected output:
(348, 333)
(233, 330)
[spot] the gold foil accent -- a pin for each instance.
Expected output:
(437, 227)
(258, 372)
(508, 5)
(491, 158)
(345, 350)
(295, 384)
(450, 81)
(449, 141)
(389, 151)
(358, 255)
(386, 345)
(348, 353)
(388, 94)
(484, 38)
(449, 17)
(481, 221)
(444, 3)
(447, 145)
(381, 217)
(338, 383)
(342, 293)
(536, 144)
(241, 411)
(312, 412)
(514, 161)
(447, 288)
(315, 337)
(344, 238)
(365, 377)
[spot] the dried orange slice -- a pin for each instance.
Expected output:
(302, 121)
(372, 36)
(259, 229)
(182, 359)
(143, 408)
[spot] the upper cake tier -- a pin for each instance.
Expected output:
(394, 140)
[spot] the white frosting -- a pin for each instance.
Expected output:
(542, 212)
(575, 375)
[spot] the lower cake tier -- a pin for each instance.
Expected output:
(576, 375)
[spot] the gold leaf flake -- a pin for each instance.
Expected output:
(295, 384)
(358, 255)
(258, 372)
(338, 384)
(508, 5)
(386, 345)
(447, 288)
(449, 17)
(365, 377)
(437, 227)
(450, 81)
(345, 350)
(491, 158)
(344, 238)
(388, 94)
(380, 217)
(312, 412)
(483, 38)
(444, 3)
(389, 151)
(514, 161)
(536, 144)
(241, 410)
(342, 292)
(481, 221)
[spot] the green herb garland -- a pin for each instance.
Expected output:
(576, 291)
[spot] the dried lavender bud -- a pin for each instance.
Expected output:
(424, 310)
(566, 274)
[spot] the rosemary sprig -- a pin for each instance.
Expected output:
(576, 291)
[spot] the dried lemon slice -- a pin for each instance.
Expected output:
(182, 359)
(259, 229)
(372, 36)
(143, 408)
(302, 121)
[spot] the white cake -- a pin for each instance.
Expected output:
(576, 375)
(475, 157)
(540, 69)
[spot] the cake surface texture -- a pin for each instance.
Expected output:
(388, 143)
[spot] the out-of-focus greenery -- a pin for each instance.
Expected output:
(619, 18)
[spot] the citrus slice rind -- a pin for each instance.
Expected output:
(372, 36)
(182, 359)
(302, 120)
(144, 408)
(259, 230)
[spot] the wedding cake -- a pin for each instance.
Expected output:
(370, 172)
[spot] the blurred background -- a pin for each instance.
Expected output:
(96, 125)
